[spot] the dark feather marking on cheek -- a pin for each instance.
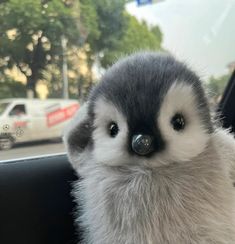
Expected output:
(80, 137)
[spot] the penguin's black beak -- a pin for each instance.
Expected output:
(142, 144)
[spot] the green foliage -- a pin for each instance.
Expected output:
(137, 36)
(217, 85)
(158, 34)
(31, 31)
(36, 29)
(55, 85)
(89, 21)
(111, 23)
(53, 80)
(11, 88)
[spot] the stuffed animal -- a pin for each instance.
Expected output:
(154, 167)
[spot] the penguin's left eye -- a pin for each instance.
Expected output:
(113, 129)
(178, 122)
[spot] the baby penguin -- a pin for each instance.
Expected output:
(154, 168)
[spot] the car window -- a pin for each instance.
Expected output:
(18, 110)
(53, 52)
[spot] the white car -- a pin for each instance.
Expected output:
(23, 120)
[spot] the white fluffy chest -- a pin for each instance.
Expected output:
(149, 207)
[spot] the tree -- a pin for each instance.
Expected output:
(137, 36)
(106, 23)
(118, 33)
(88, 19)
(111, 23)
(78, 74)
(217, 85)
(31, 33)
(11, 88)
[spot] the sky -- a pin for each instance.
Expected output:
(198, 32)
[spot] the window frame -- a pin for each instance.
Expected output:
(18, 104)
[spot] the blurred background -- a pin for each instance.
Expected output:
(59, 49)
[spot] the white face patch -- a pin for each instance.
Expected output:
(187, 143)
(109, 150)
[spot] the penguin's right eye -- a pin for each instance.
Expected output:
(113, 129)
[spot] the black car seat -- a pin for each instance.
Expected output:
(36, 206)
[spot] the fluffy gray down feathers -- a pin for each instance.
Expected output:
(177, 203)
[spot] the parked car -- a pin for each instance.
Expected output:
(24, 120)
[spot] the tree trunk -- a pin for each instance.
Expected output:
(31, 88)
(29, 94)
(35, 66)
(80, 82)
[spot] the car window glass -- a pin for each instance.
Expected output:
(18, 110)
(52, 54)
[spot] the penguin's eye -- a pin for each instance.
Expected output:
(113, 129)
(178, 122)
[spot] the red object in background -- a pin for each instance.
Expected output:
(20, 124)
(62, 114)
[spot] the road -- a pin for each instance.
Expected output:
(32, 149)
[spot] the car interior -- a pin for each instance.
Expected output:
(227, 105)
(36, 205)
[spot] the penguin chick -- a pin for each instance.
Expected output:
(154, 169)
